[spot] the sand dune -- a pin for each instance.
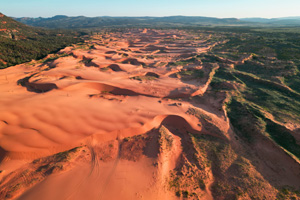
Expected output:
(70, 100)
(118, 102)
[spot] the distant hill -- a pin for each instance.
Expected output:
(21, 43)
(62, 21)
(284, 21)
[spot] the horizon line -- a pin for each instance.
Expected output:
(161, 16)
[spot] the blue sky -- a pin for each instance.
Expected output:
(210, 8)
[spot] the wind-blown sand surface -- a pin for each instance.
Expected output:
(111, 101)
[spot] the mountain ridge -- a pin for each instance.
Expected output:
(71, 22)
(275, 21)
(61, 21)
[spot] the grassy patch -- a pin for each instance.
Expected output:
(191, 73)
(283, 137)
(293, 82)
(246, 123)
(66, 155)
(282, 103)
(249, 121)
(183, 62)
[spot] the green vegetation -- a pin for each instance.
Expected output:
(52, 58)
(183, 62)
(212, 151)
(14, 52)
(270, 79)
(249, 121)
(165, 139)
(265, 43)
(293, 82)
(86, 61)
(84, 46)
(56, 162)
(283, 137)
(274, 97)
(256, 94)
(180, 186)
(197, 113)
(191, 73)
(66, 155)
(234, 175)
(20, 43)
(259, 71)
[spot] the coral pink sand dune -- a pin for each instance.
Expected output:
(96, 99)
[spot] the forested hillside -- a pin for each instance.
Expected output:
(21, 43)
